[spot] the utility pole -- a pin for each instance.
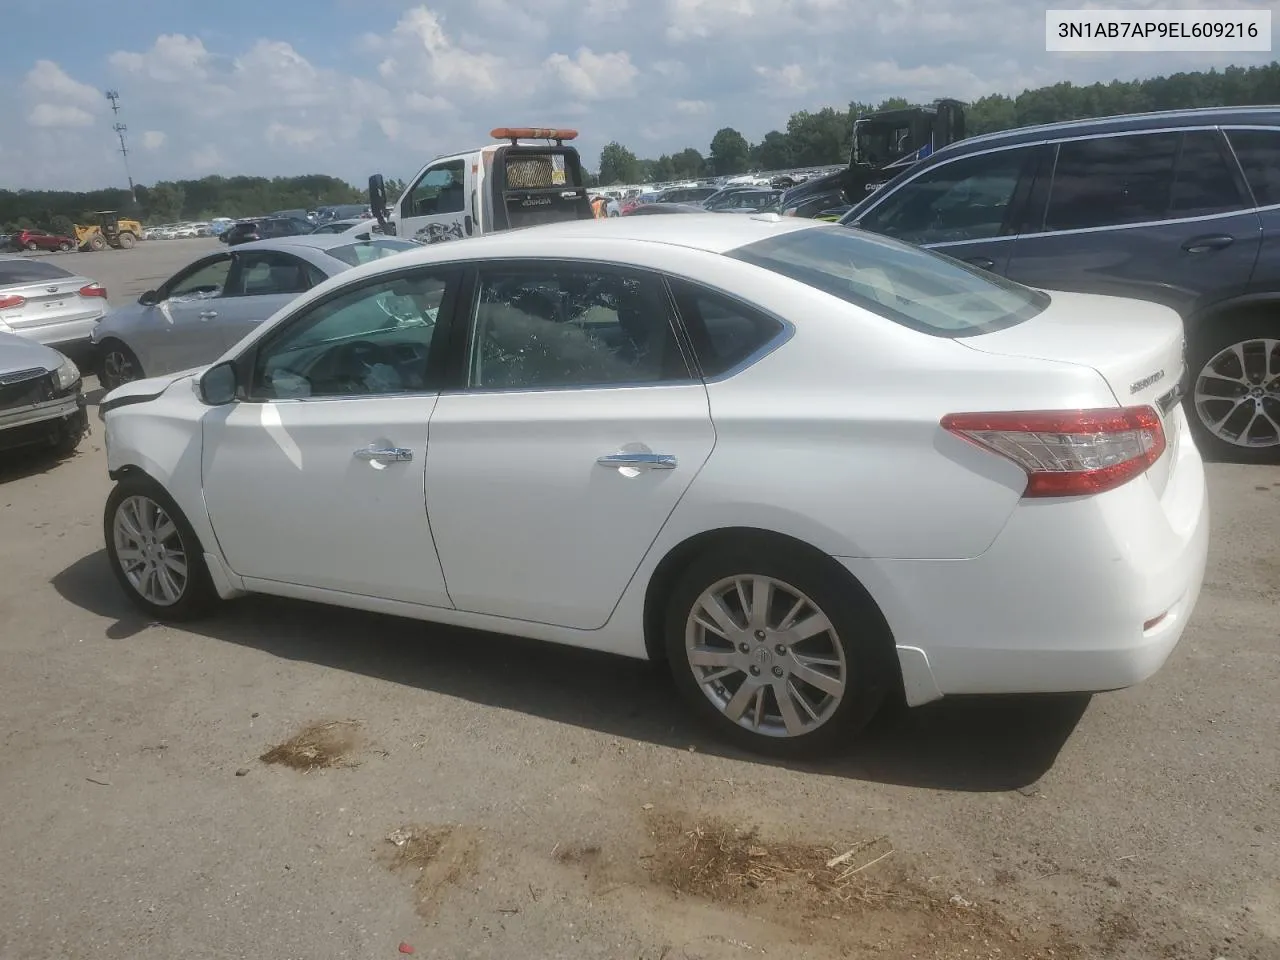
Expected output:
(120, 130)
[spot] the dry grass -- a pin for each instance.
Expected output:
(856, 895)
(714, 860)
(440, 856)
(319, 746)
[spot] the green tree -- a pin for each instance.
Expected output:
(774, 151)
(688, 164)
(730, 152)
(819, 138)
(618, 165)
(61, 224)
(165, 202)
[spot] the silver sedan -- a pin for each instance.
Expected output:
(43, 302)
(207, 307)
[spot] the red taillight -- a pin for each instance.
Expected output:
(93, 290)
(11, 301)
(1068, 453)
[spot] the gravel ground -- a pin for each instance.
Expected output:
(466, 795)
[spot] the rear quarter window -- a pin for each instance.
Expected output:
(30, 271)
(366, 251)
(909, 285)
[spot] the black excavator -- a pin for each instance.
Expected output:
(884, 144)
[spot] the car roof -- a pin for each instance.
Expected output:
(1156, 120)
(711, 232)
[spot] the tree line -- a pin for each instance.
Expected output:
(173, 201)
(811, 138)
(824, 137)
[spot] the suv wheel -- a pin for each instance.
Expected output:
(1234, 391)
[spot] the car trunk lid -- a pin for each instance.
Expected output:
(49, 301)
(1136, 346)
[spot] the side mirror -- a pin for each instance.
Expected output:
(217, 387)
(468, 225)
(378, 195)
(149, 299)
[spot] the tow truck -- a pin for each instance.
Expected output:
(530, 177)
(884, 144)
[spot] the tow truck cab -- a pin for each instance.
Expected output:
(883, 145)
(501, 186)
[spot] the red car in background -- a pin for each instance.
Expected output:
(39, 240)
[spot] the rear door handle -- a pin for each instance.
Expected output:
(986, 263)
(654, 461)
(208, 314)
(1216, 241)
(384, 454)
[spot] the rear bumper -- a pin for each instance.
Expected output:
(69, 333)
(1082, 595)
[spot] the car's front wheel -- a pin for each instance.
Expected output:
(117, 365)
(778, 649)
(1234, 396)
(154, 553)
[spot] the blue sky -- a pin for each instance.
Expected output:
(350, 87)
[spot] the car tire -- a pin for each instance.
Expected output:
(64, 246)
(142, 522)
(852, 657)
(1216, 381)
(116, 365)
(33, 247)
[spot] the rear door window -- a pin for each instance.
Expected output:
(1204, 182)
(1259, 154)
(29, 271)
(1112, 181)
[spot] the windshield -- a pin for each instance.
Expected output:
(876, 143)
(917, 288)
(366, 251)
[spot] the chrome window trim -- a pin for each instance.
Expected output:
(1085, 230)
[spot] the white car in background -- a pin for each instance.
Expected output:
(809, 468)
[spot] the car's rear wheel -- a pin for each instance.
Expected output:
(64, 246)
(154, 553)
(779, 650)
(1234, 395)
(117, 365)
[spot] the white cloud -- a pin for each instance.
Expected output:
(49, 83)
(594, 76)
(420, 78)
(790, 79)
(59, 115)
(692, 108)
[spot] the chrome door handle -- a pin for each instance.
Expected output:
(654, 461)
(1204, 244)
(384, 454)
(208, 314)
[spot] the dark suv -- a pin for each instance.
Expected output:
(1181, 208)
(267, 228)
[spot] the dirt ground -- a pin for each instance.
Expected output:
(292, 781)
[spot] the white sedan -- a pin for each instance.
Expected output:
(810, 468)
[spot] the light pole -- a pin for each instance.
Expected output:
(120, 130)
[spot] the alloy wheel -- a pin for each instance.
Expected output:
(117, 368)
(1237, 394)
(766, 656)
(150, 551)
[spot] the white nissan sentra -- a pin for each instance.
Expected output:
(808, 468)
